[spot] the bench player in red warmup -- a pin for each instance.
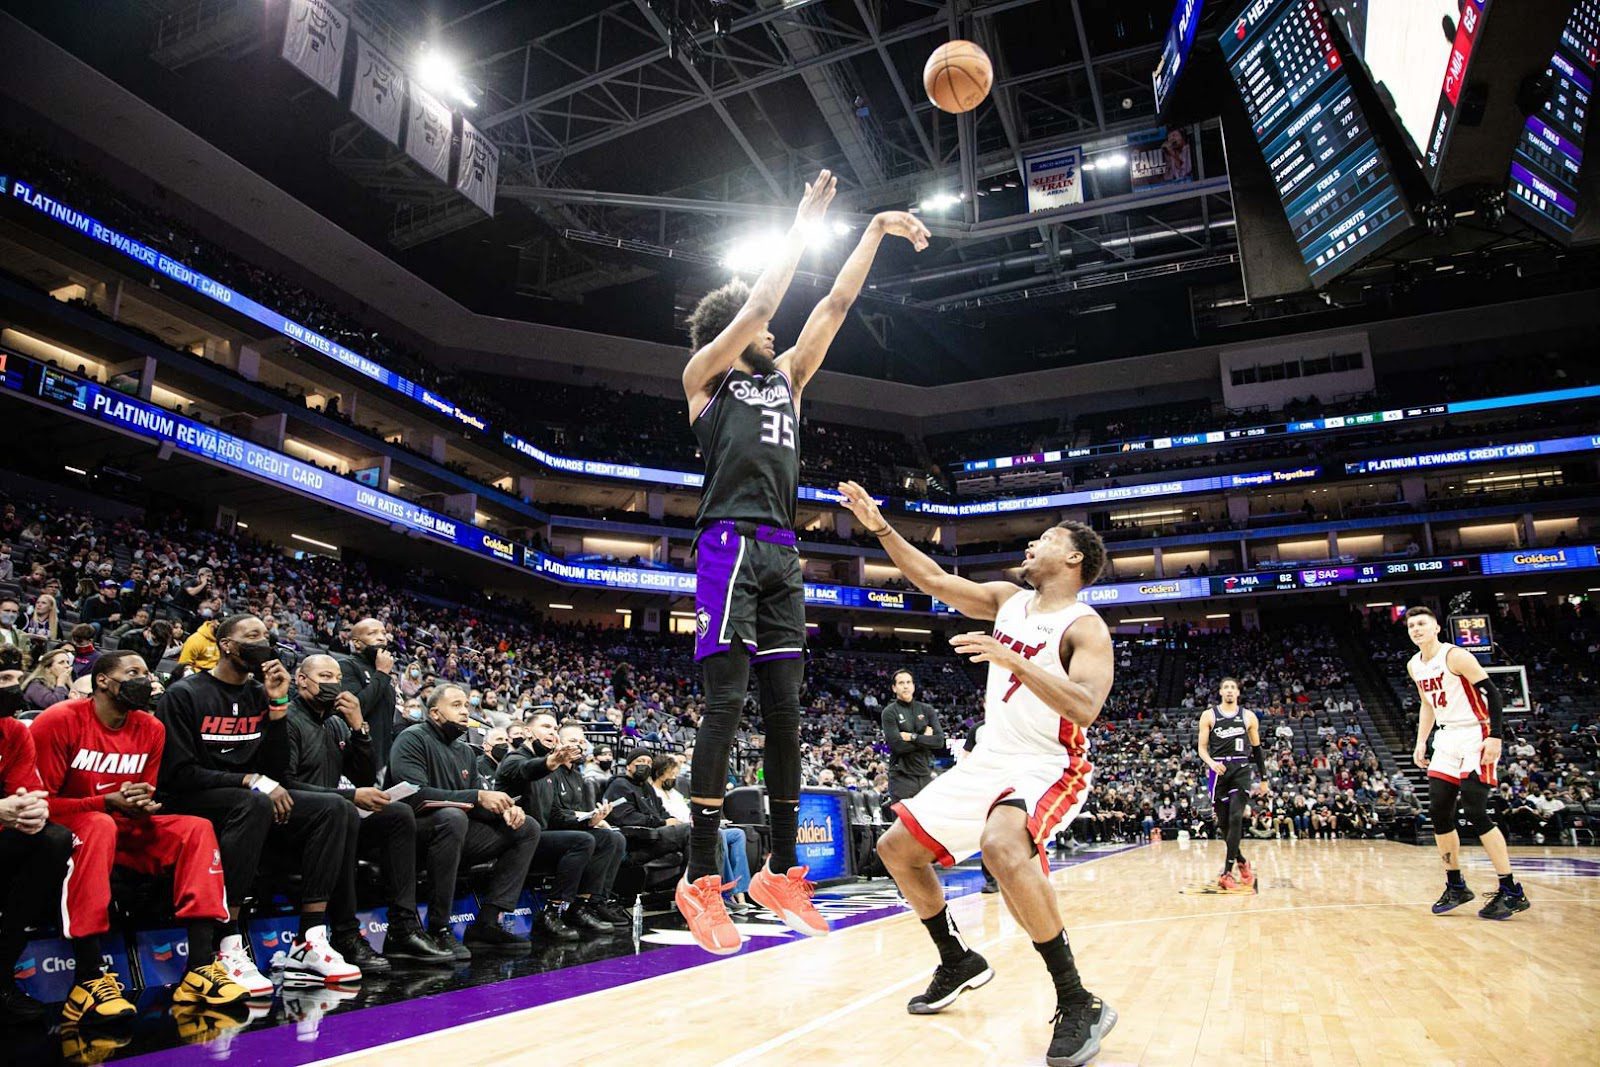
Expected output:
(98, 758)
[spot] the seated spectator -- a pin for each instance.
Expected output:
(102, 611)
(149, 642)
(665, 772)
(12, 635)
(200, 650)
(598, 770)
(33, 851)
(84, 653)
(226, 749)
(330, 743)
(496, 745)
(636, 804)
(49, 682)
(42, 622)
(115, 821)
(463, 825)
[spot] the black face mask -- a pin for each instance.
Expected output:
(604, 765)
(10, 700)
(670, 784)
(370, 654)
(640, 775)
(252, 654)
(498, 752)
(450, 730)
(327, 693)
(518, 742)
(134, 693)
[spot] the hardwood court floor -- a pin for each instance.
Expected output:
(1337, 961)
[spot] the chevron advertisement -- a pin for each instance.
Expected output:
(46, 967)
(163, 955)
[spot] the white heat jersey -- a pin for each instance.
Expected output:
(1454, 701)
(1016, 722)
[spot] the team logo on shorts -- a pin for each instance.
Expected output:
(702, 623)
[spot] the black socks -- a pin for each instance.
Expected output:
(1057, 956)
(1453, 879)
(86, 959)
(1508, 884)
(942, 928)
(705, 830)
(202, 943)
(785, 816)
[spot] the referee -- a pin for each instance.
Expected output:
(914, 735)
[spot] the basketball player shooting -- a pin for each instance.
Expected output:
(1050, 668)
(1458, 695)
(1229, 741)
(744, 407)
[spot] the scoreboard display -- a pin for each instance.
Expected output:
(1333, 179)
(1549, 158)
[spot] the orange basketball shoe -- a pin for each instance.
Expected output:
(1228, 881)
(1247, 875)
(700, 904)
(789, 898)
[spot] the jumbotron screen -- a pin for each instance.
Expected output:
(1549, 157)
(1333, 179)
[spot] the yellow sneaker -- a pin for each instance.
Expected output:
(78, 1047)
(97, 1001)
(200, 1024)
(209, 984)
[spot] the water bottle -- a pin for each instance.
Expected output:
(638, 917)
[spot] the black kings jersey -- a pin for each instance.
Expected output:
(1230, 738)
(750, 436)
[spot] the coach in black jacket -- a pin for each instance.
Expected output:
(366, 673)
(329, 739)
(471, 825)
(914, 735)
(585, 856)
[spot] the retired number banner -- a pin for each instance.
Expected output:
(313, 40)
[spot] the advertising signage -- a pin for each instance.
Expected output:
(1481, 454)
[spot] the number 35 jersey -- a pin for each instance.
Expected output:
(750, 436)
(1016, 722)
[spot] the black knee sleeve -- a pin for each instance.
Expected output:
(1442, 805)
(724, 679)
(778, 682)
(1475, 799)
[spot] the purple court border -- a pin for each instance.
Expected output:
(368, 1028)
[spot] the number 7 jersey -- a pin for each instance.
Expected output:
(1016, 722)
(749, 435)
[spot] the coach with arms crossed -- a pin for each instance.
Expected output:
(914, 735)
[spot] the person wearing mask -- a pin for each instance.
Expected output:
(463, 825)
(99, 758)
(411, 681)
(329, 741)
(200, 650)
(149, 643)
(366, 672)
(11, 633)
(665, 771)
(227, 752)
(102, 611)
(585, 851)
(50, 681)
(496, 744)
(7, 569)
(598, 770)
(914, 735)
(643, 808)
(33, 850)
(83, 651)
(193, 594)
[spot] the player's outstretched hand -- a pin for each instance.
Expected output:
(904, 224)
(980, 647)
(1490, 753)
(1420, 758)
(819, 194)
(861, 505)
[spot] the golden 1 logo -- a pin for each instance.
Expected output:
(888, 600)
(503, 549)
(1535, 559)
(1162, 589)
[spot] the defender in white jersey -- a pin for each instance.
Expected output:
(1050, 669)
(1459, 696)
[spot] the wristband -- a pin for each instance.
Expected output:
(278, 702)
(263, 784)
(887, 529)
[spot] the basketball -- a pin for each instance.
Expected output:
(957, 76)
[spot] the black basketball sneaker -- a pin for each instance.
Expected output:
(1504, 904)
(949, 981)
(1079, 1029)
(1452, 898)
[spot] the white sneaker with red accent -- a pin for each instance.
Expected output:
(313, 960)
(235, 959)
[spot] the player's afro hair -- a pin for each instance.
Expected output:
(715, 311)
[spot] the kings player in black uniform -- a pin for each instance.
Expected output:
(744, 406)
(1230, 741)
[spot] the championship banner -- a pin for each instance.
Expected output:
(428, 133)
(1161, 157)
(1055, 179)
(379, 92)
(313, 40)
(480, 167)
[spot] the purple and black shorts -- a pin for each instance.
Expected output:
(749, 589)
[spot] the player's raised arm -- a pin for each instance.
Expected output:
(712, 361)
(976, 600)
(802, 361)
